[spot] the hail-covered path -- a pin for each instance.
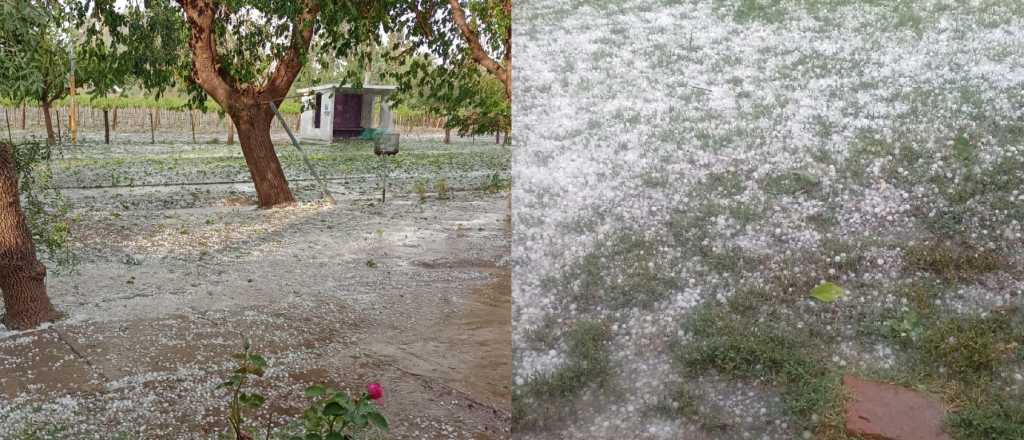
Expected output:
(413, 294)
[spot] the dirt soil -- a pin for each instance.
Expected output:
(414, 295)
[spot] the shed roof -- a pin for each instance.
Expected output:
(373, 89)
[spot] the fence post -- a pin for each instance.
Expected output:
(192, 123)
(7, 117)
(106, 127)
(60, 136)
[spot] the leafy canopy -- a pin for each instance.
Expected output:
(35, 49)
(153, 40)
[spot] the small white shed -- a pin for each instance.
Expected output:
(333, 111)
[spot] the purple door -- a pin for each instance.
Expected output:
(348, 111)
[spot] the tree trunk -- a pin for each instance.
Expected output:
(152, 129)
(447, 135)
(23, 120)
(113, 126)
(253, 123)
(50, 138)
(497, 137)
(22, 276)
(231, 132)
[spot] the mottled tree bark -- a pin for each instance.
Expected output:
(22, 276)
(264, 167)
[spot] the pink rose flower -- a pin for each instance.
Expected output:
(375, 391)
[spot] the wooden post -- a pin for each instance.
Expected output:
(106, 127)
(7, 116)
(192, 123)
(73, 109)
(152, 132)
(60, 136)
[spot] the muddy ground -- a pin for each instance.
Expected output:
(414, 294)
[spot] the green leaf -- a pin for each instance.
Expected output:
(378, 420)
(827, 292)
(252, 400)
(333, 409)
(963, 149)
(345, 401)
(313, 436)
(358, 420)
(334, 436)
(258, 361)
(315, 391)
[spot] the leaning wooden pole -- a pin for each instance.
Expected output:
(323, 183)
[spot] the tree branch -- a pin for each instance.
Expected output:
(290, 64)
(200, 16)
(473, 40)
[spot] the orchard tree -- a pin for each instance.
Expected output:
(34, 33)
(453, 32)
(22, 275)
(245, 54)
(471, 101)
(483, 108)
